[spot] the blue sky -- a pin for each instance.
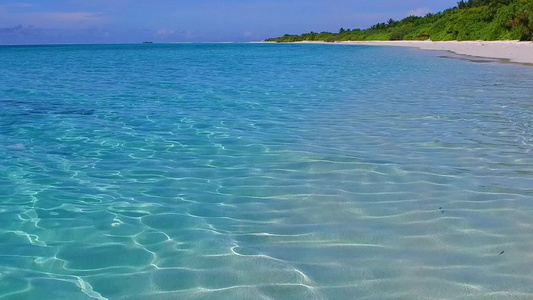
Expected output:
(127, 21)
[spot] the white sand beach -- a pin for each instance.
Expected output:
(513, 51)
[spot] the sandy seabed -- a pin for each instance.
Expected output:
(513, 51)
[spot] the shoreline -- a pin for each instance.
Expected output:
(508, 51)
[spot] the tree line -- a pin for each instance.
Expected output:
(470, 20)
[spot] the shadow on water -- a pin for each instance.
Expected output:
(31, 107)
(479, 59)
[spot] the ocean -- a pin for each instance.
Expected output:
(263, 171)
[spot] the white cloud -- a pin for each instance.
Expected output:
(70, 17)
(19, 14)
(419, 12)
(164, 33)
(16, 5)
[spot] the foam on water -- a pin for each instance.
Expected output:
(263, 172)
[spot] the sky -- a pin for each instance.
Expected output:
(133, 21)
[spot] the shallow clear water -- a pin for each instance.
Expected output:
(263, 171)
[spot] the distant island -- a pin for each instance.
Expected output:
(487, 20)
(148, 42)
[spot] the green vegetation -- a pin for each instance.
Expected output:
(470, 20)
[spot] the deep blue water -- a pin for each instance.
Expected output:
(263, 171)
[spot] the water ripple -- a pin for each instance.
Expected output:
(263, 172)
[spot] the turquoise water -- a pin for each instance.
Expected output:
(205, 171)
